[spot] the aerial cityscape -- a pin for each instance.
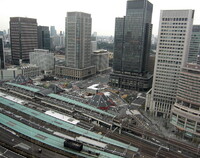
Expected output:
(127, 86)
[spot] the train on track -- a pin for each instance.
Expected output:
(77, 146)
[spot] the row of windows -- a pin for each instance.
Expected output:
(174, 19)
(172, 44)
(168, 65)
(169, 58)
(171, 37)
(174, 52)
(184, 94)
(176, 48)
(173, 23)
(173, 34)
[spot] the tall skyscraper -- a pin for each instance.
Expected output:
(23, 36)
(43, 37)
(194, 44)
(78, 40)
(132, 47)
(53, 31)
(78, 46)
(172, 52)
(2, 56)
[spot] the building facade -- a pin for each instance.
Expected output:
(2, 55)
(53, 31)
(132, 47)
(78, 41)
(43, 37)
(27, 70)
(23, 36)
(9, 74)
(100, 58)
(194, 44)
(30, 70)
(43, 59)
(94, 42)
(198, 59)
(73, 73)
(172, 52)
(185, 112)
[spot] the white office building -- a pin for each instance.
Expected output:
(172, 52)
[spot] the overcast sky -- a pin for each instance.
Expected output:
(103, 12)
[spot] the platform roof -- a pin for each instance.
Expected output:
(45, 137)
(91, 142)
(62, 98)
(24, 87)
(62, 117)
(65, 125)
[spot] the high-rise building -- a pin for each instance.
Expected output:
(194, 44)
(43, 37)
(132, 47)
(186, 110)
(2, 55)
(61, 40)
(78, 39)
(53, 31)
(23, 36)
(78, 46)
(174, 36)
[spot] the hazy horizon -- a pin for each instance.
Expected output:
(103, 12)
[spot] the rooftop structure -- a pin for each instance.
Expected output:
(62, 117)
(101, 101)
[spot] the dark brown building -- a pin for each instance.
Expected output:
(2, 57)
(23, 36)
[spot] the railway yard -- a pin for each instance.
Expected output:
(36, 124)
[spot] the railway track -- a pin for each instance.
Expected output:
(33, 122)
(170, 143)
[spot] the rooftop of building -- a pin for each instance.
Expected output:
(100, 51)
(96, 87)
(41, 50)
(22, 66)
(193, 66)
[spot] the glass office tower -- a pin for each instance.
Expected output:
(194, 50)
(132, 47)
(43, 37)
